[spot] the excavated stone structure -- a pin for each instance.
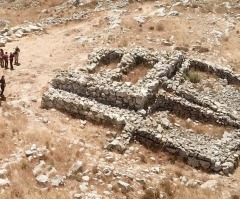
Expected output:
(140, 110)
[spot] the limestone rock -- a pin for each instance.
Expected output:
(57, 181)
(4, 182)
(210, 184)
(83, 187)
(125, 187)
(77, 167)
(42, 180)
(3, 172)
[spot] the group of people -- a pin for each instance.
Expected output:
(6, 58)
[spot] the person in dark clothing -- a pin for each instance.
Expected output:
(3, 84)
(5, 57)
(11, 56)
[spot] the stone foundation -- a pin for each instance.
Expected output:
(103, 98)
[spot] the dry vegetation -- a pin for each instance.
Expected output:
(136, 74)
(198, 127)
(106, 67)
(168, 190)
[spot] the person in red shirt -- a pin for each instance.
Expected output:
(5, 57)
(1, 58)
(11, 56)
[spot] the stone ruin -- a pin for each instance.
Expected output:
(141, 110)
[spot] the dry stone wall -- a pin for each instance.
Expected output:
(136, 109)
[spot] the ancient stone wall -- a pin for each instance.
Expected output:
(136, 109)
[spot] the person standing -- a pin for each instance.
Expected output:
(1, 58)
(16, 54)
(5, 57)
(3, 84)
(11, 56)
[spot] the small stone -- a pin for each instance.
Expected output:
(4, 182)
(3, 172)
(77, 195)
(57, 181)
(109, 187)
(165, 122)
(85, 178)
(210, 184)
(76, 167)
(42, 179)
(124, 186)
(33, 147)
(83, 187)
(28, 153)
(45, 120)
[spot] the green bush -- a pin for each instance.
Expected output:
(193, 76)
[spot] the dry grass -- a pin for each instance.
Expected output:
(201, 128)
(123, 43)
(91, 5)
(12, 123)
(235, 66)
(106, 67)
(136, 74)
(171, 190)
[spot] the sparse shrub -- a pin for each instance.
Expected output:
(220, 9)
(209, 85)
(167, 188)
(78, 177)
(16, 192)
(24, 165)
(91, 5)
(95, 169)
(47, 143)
(115, 188)
(235, 196)
(123, 43)
(200, 88)
(27, 3)
(207, 8)
(225, 38)
(195, 5)
(172, 119)
(2, 134)
(178, 173)
(151, 28)
(151, 194)
(143, 158)
(193, 76)
(159, 27)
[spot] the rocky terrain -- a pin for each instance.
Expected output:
(152, 88)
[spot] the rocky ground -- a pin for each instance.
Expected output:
(48, 154)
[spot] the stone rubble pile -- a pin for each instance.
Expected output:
(103, 98)
(3, 177)
(47, 175)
